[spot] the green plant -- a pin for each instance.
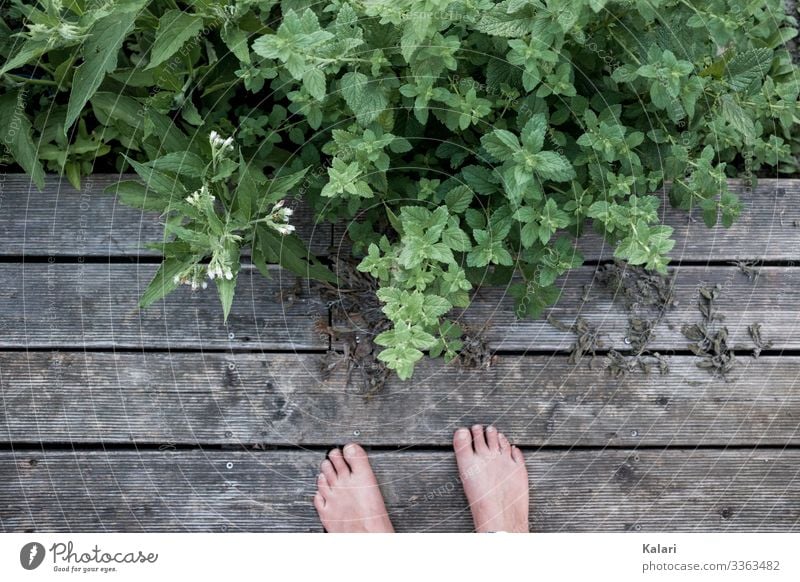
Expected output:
(485, 135)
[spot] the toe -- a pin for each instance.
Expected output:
(491, 439)
(479, 439)
(339, 463)
(319, 501)
(505, 446)
(327, 469)
(356, 457)
(462, 442)
(323, 486)
(516, 454)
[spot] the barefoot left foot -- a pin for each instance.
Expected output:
(348, 499)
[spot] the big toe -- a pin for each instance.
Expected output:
(462, 443)
(356, 457)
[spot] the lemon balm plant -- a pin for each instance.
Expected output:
(483, 136)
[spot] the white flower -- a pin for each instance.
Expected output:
(219, 143)
(70, 32)
(284, 228)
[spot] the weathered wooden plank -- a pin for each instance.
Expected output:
(63, 221)
(766, 230)
(773, 299)
(213, 491)
(278, 399)
(96, 306)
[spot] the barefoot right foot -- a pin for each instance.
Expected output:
(495, 479)
(348, 499)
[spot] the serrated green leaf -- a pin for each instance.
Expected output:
(745, 68)
(15, 133)
(175, 27)
(364, 96)
(100, 52)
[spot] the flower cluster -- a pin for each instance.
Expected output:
(218, 143)
(193, 276)
(200, 197)
(220, 267)
(279, 218)
(65, 30)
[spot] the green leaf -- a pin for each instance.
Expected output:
(226, 290)
(183, 163)
(364, 96)
(175, 27)
(15, 133)
(158, 181)
(500, 144)
(100, 53)
(553, 166)
(137, 195)
(745, 68)
(236, 40)
(163, 281)
(458, 199)
(290, 252)
(314, 82)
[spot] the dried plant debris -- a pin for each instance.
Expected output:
(640, 333)
(647, 296)
(637, 287)
(711, 345)
(749, 269)
(475, 352)
(760, 344)
(710, 340)
(358, 317)
(708, 295)
(587, 342)
(619, 364)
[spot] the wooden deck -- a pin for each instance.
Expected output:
(115, 419)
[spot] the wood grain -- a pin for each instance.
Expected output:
(765, 230)
(280, 399)
(61, 221)
(216, 491)
(91, 305)
(773, 299)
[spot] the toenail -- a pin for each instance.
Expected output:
(320, 477)
(462, 433)
(490, 428)
(349, 447)
(476, 427)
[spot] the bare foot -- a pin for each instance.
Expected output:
(348, 499)
(495, 479)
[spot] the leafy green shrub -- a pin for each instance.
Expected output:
(484, 135)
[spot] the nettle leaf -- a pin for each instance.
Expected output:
(175, 27)
(100, 52)
(314, 82)
(365, 97)
(15, 133)
(747, 67)
(500, 144)
(553, 166)
(458, 199)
